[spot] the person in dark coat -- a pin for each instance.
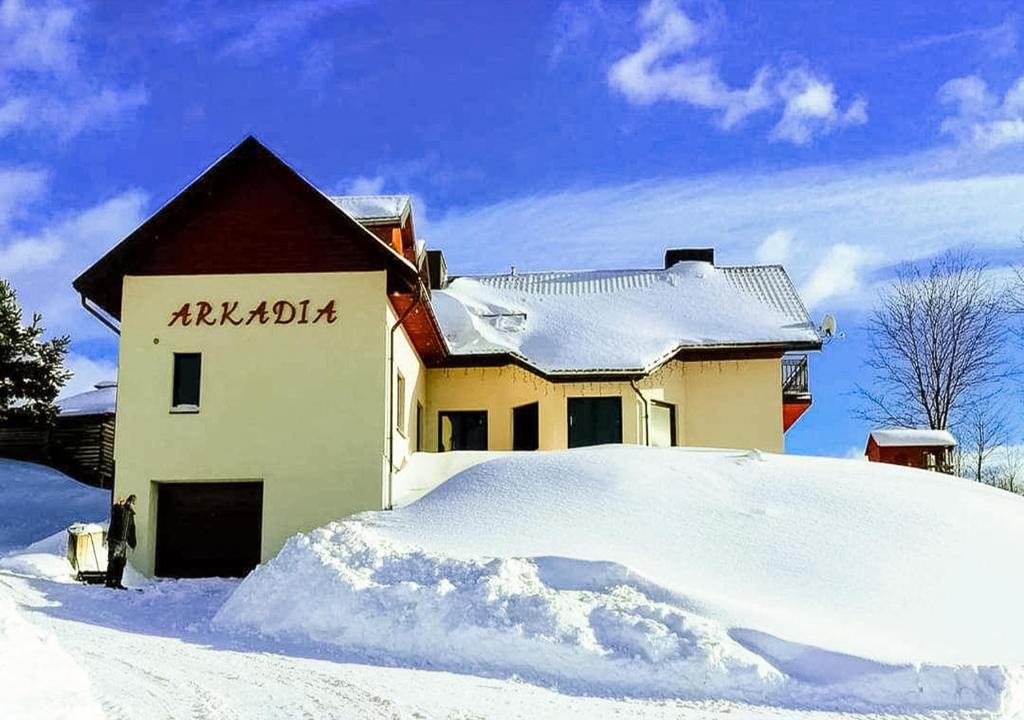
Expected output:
(120, 537)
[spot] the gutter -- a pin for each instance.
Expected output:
(96, 314)
(647, 411)
(391, 389)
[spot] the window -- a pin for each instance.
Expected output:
(419, 427)
(526, 427)
(462, 430)
(400, 399)
(185, 393)
(661, 424)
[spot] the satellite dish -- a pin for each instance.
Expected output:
(828, 325)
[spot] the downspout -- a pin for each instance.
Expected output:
(647, 414)
(391, 387)
(92, 311)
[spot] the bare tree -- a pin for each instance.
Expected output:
(984, 433)
(1010, 470)
(937, 344)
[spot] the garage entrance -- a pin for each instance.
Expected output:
(208, 529)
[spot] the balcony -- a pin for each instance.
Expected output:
(796, 389)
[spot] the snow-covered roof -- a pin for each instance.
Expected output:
(621, 320)
(373, 209)
(94, 402)
(913, 437)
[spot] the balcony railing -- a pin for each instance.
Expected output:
(794, 376)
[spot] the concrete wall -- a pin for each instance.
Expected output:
(294, 405)
(730, 403)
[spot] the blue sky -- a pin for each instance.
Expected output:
(838, 138)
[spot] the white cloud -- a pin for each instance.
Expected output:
(845, 226)
(810, 109)
(775, 248)
(365, 185)
(87, 372)
(837, 274)
(44, 78)
(43, 264)
(264, 30)
(668, 65)
(982, 119)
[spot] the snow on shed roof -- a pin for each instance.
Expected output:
(371, 209)
(621, 320)
(913, 437)
(94, 402)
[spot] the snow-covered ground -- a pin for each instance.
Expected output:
(608, 582)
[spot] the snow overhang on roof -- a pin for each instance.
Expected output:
(913, 437)
(622, 321)
(100, 401)
(376, 209)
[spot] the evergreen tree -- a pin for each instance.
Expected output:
(31, 370)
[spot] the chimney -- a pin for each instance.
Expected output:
(676, 255)
(437, 269)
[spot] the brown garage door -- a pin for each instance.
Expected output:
(208, 529)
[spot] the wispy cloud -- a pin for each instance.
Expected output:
(982, 118)
(42, 78)
(669, 65)
(42, 263)
(270, 25)
(844, 227)
(996, 40)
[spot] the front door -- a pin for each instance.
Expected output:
(595, 421)
(526, 427)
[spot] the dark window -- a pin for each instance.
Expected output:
(661, 424)
(400, 395)
(186, 380)
(595, 421)
(462, 430)
(419, 427)
(526, 427)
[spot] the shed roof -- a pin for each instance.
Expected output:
(99, 401)
(622, 321)
(375, 209)
(913, 437)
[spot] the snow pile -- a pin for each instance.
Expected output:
(101, 400)
(39, 679)
(37, 501)
(914, 437)
(674, 573)
(618, 320)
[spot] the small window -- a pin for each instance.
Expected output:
(400, 399)
(185, 395)
(462, 430)
(419, 427)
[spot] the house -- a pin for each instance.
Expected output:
(80, 442)
(283, 353)
(912, 447)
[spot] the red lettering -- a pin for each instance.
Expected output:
(204, 309)
(279, 312)
(184, 314)
(227, 313)
(260, 311)
(327, 312)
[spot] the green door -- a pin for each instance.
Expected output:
(595, 421)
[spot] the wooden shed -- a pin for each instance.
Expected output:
(81, 442)
(912, 447)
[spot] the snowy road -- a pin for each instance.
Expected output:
(152, 655)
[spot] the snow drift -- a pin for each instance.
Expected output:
(39, 679)
(674, 573)
(37, 501)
